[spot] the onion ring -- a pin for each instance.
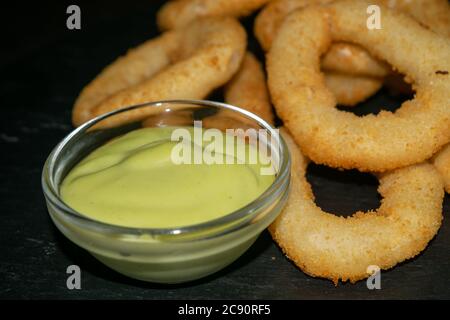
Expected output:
(345, 57)
(175, 14)
(137, 65)
(208, 53)
(352, 59)
(248, 89)
(338, 248)
(351, 90)
(442, 163)
(340, 139)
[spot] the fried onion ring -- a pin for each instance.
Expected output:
(178, 13)
(343, 58)
(137, 65)
(442, 163)
(353, 60)
(208, 53)
(269, 20)
(338, 248)
(346, 57)
(351, 90)
(340, 139)
(248, 89)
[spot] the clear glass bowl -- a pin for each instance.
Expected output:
(171, 255)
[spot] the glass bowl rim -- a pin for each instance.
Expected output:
(249, 211)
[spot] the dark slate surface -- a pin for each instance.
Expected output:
(43, 67)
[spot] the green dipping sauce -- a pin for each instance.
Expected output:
(133, 181)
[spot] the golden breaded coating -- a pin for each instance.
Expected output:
(350, 90)
(346, 57)
(269, 20)
(338, 248)
(341, 139)
(351, 59)
(433, 14)
(442, 163)
(179, 13)
(248, 89)
(137, 65)
(208, 53)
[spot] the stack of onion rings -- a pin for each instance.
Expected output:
(338, 248)
(348, 58)
(340, 139)
(192, 62)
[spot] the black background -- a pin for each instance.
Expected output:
(43, 67)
